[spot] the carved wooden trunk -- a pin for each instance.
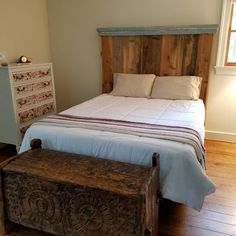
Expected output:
(68, 194)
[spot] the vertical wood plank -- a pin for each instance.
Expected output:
(151, 54)
(119, 55)
(130, 55)
(107, 63)
(160, 55)
(172, 55)
(189, 54)
(117, 49)
(203, 61)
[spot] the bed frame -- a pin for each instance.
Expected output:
(182, 50)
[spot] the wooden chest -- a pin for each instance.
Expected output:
(69, 194)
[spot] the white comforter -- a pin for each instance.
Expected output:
(182, 177)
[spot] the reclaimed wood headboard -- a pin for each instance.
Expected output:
(182, 50)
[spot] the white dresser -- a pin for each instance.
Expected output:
(26, 95)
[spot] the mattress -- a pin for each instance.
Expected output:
(182, 178)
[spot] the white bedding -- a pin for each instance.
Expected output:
(182, 177)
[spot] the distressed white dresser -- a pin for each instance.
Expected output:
(26, 94)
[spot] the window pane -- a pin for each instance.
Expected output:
(232, 48)
(233, 23)
(233, 26)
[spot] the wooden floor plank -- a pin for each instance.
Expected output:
(222, 200)
(225, 148)
(218, 216)
(211, 225)
(223, 180)
(220, 208)
(204, 214)
(221, 159)
(186, 230)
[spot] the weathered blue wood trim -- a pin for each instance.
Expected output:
(158, 30)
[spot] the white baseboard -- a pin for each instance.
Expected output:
(221, 136)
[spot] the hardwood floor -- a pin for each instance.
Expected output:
(218, 216)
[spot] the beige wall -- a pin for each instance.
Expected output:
(75, 44)
(24, 29)
(221, 108)
(75, 48)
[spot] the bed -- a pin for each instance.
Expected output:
(113, 126)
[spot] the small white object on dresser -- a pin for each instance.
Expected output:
(27, 94)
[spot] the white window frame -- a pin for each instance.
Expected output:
(220, 67)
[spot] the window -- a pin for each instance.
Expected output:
(226, 54)
(230, 59)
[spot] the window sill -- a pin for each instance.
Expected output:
(225, 70)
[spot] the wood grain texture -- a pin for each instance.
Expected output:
(107, 64)
(130, 49)
(71, 194)
(190, 46)
(151, 54)
(171, 55)
(5, 224)
(121, 54)
(162, 55)
(203, 60)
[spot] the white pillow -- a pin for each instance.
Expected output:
(177, 87)
(132, 85)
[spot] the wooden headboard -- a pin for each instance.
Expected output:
(182, 50)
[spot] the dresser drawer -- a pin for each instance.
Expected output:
(30, 75)
(27, 89)
(24, 102)
(33, 113)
